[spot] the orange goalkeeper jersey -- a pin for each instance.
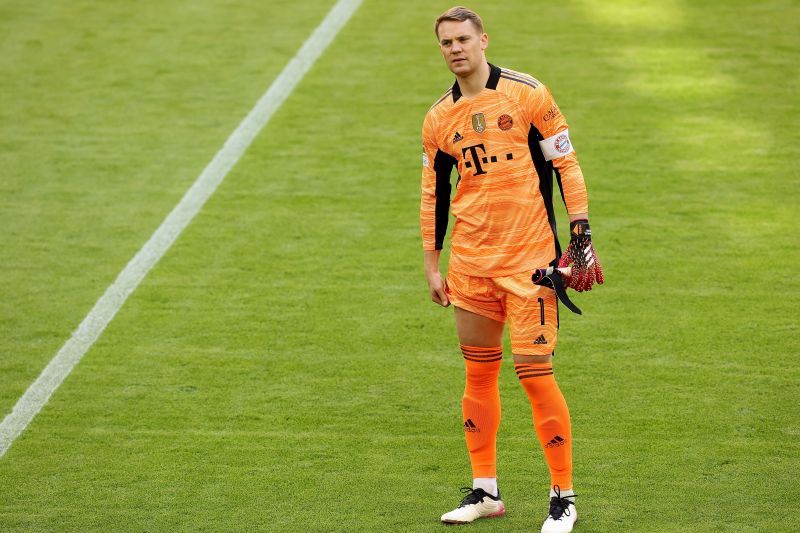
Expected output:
(505, 143)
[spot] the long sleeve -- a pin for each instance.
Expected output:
(435, 202)
(557, 148)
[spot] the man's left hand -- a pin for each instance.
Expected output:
(581, 256)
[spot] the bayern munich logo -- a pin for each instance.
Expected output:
(562, 144)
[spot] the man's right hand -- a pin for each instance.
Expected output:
(436, 284)
(436, 287)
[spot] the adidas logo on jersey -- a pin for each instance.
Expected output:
(554, 443)
(470, 426)
(457, 137)
(540, 340)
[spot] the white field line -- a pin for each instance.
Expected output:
(112, 300)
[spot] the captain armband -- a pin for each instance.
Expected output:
(556, 146)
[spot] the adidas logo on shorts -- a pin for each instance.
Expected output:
(540, 340)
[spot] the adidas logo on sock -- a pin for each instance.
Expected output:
(470, 426)
(540, 340)
(556, 442)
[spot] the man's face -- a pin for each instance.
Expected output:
(462, 46)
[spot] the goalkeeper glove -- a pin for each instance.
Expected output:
(580, 253)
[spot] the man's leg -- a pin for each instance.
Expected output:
(481, 345)
(553, 428)
(477, 330)
(550, 416)
(533, 320)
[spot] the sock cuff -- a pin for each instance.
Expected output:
(481, 349)
(480, 354)
(533, 370)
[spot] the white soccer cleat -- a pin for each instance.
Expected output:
(562, 514)
(476, 504)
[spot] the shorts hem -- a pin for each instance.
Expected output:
(457, 302)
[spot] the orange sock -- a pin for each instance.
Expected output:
(481, 407)
(550, 418)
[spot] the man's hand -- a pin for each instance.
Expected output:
(436, 287)
(580, 254)
(434, 277)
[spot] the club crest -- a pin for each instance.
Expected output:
(562, 143)
(479, 122)
(505, 122)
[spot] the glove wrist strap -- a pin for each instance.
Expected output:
(580, 227)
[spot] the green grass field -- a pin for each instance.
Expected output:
(282, 367)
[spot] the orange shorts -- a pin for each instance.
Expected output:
(531, 310)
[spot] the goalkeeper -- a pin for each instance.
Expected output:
(506, 137)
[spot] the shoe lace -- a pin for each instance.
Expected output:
(560, 506)
(473, 496)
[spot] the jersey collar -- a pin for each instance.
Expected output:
(491, 83)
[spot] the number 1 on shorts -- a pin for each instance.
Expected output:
(541, 309)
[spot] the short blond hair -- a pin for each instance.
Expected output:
(459, 14)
